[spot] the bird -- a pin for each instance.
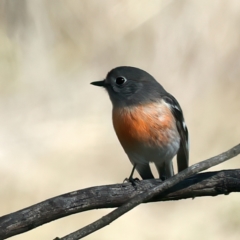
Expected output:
(148, 122)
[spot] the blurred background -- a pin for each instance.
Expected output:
(56, 134)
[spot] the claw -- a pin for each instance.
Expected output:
(131, 180)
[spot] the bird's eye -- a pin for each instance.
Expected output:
(120, 80)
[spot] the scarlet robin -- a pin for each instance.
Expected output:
(148, 121)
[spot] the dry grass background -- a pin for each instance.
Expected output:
(55, 128)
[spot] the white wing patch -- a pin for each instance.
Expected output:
(184, 125)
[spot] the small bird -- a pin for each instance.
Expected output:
(148, 121)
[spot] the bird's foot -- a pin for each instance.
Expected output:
(133, 181)
(163, 177)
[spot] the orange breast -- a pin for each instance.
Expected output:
(146, 124)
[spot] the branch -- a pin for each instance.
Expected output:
(205, 184)
(150, 193)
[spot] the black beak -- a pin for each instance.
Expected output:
(99, 83)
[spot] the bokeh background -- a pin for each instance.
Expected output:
(56, 134)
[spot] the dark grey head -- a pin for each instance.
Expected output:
(129, 86)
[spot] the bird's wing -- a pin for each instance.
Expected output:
(183, 152)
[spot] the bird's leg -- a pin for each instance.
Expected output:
(131, 175)
(131, 179)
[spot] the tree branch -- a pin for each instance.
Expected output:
(150, 193)
(205, 184)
